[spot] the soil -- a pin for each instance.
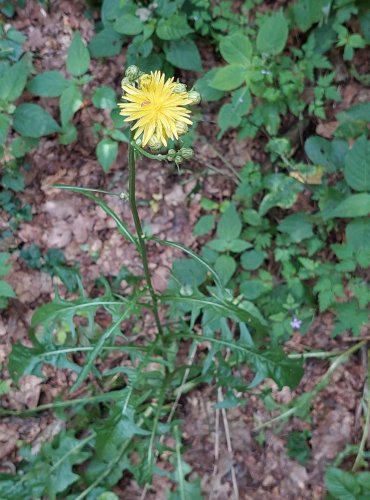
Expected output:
(258, 461)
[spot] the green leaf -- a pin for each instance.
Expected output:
(356, 205)
(229, 226)
(342, 484)
(33, 121)
(225, 266)
(4, 127)
(106, 43)
(47, 84)
(13, 80)
(273, 34)
(307, 12)
(358, 233)
(104, 97)
(128, 24)
(357, 165)
(231, 114)
(236, 49)
(70, 101)
(173, 28)
(183, 54)
(252, 259)
(229, 77)
(107, 151)
(203, 86)
(78, 57)
(6, 290)
(204, 225)
(297, 225)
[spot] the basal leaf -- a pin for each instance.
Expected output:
(236, 49)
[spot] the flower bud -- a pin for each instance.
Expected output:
(171, 155)
(179, 88)
(194, 96)
(125, 81)
(144, 81)
(154, 143)
(186, 153)
(178, 159)
(132, 73)
(181, 128)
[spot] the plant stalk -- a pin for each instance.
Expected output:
(140, 235)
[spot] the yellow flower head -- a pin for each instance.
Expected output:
(155, 107)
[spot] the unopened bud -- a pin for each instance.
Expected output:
(186, 153)
(181, 128)
(194, 96)
(171, 155)
(179, 88)
(178, 159)
(144, 81)
(154, 143)
(132, 73)
(125, 81)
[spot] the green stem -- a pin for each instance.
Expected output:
(140, 235)
(145, 153)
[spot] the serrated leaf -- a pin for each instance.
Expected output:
(229, 77)
(107, 151)
(33, 121)
(342, 484)
(297, 225)
(14, 79)
(70, 101)
(356, 205)
(173, 28)
(225, 266)
(106, 43)
(229, 226)
(357, 165)
(128, 24)
(273, 34)
(78, 57)
(47, 84)
(236, 49)
(204, 225)
(358, 233)
(183, 54)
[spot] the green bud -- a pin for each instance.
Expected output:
(125, 81)
(132, 73)
(178, 159)
(186, 153)
(171, 155)
(194, 96)
(154, 143)
(179, 88)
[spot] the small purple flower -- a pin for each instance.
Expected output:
(296, 323)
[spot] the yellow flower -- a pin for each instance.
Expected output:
(155, 108)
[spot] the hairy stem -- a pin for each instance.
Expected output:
(140, 235)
